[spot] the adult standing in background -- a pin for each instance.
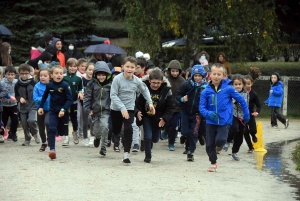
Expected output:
(59, 55)
(203, 55)
(5, 58)
(72, 52)
(220, 58)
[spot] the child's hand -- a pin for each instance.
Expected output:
(161, 122)
(40, 111)
(125, 114)
(213, 115)
(61, 114)
(152, 109)
(22, 100)
(12, 98)
(185, 98)
(255, 114)
(91, 113)
(80, 96)
(139, 115)
(271, 91)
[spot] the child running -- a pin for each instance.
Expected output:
(188, 97)
(86, 118)
(60, 101)
(123, 95)
(216, 107)
(43, 77)
(161, 95)
(236, 131)
(275, 100)
(254, 109)
(97, 103)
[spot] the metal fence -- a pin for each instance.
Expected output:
(291, 100)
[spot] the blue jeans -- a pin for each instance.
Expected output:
(151, 133)
(216, 136)
(189, 127)
(57, 124)
(170, 127)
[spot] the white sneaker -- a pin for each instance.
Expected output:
(1, 138)
(37, 139)
(75, 137)
(91, 142)
(66, 141)
(126, 158)
(85, 142)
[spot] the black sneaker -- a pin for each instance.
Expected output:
(108, 143)
(142, 148)
(116, 149)
(43, 147)
(14, 137)
(190, 156)
(103, 151)
(254, 138)
(96, 142)
(126, 158)
(201, 140)
(185, 152)
(182, 139)
(147, 158)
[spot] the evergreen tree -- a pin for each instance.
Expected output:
(64, 19)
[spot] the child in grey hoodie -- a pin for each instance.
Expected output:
(123, 96)
(96, 102)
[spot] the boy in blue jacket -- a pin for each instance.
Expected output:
(275, 100)
(216, 107)
(188, 97)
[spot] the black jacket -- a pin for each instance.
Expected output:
(165, 107)
(73, 54)
(193, 93)
(254, 101)
(45, 56)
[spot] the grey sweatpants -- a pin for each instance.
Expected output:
(100, 127)
(135, 132)
(86, 121)
(80, 118)
(29, 124)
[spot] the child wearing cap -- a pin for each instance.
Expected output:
(188, 97)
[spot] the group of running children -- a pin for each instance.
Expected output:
(209, 106)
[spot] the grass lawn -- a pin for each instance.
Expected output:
(296, 156)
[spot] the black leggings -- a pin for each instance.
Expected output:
(250, 129)
(236, 133)
(117, 121)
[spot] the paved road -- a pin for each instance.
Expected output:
(80, 173)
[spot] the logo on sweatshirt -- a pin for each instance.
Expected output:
(60, 89)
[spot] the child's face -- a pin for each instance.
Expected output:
(129, 69)
(174, 72)
(274, 78)
(10, 76)
(89, 71)
(44, 76)
(155, 84)
(139, 70)
(238, 85)
(72, 68)
(57, 74)
(217, 74)
(101, 77)
(197, 77)
(82, 67)
(24, 75)
(248, 84)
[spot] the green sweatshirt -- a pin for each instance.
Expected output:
(75, 84)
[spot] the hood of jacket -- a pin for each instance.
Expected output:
(278, 77)
(51, 49)
(174, 64)
(101, 66)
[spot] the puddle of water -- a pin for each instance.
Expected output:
(272, 163)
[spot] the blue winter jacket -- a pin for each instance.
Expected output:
(275, 98)
(38, 92)
(220, 102)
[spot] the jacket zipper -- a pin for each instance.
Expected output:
(216, 103)
(193, 100)
(101, 100)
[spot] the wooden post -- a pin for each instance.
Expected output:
(285, 95)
